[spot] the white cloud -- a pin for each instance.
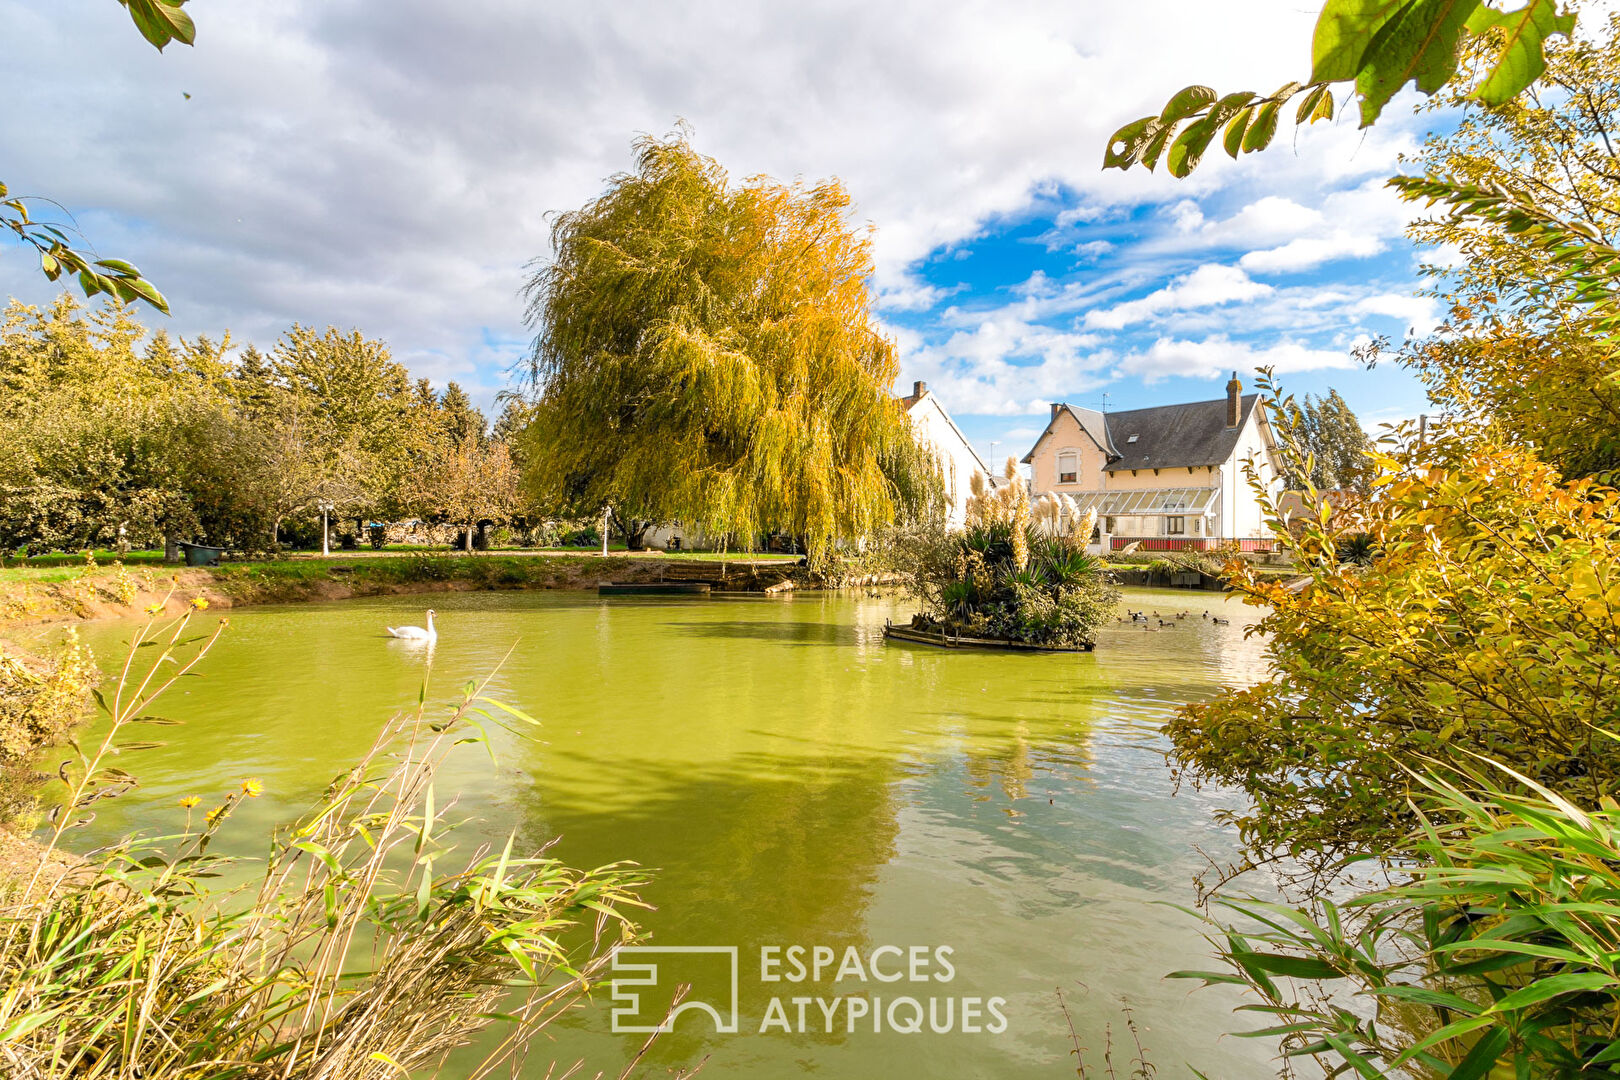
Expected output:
(1003, 364)
(913, 295)
(1279, 234)
(1213, 356)
(1186, 215)
(1416, 313)
(1266, 220)
(1353, 224)
(1443, 256)
(377, 163)
(1209, 285)
(1309, 251)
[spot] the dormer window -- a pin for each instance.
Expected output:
(1068, 467)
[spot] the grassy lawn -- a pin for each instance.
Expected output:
(66, 567)
(75, 559)
(37, 573)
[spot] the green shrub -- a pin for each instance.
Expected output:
(40, 703)
(1487, 622)
(588, 537)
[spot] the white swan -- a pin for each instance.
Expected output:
(416, 633)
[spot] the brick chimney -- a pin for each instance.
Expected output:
(918, 389)
(1234, 402)
(1057, 407)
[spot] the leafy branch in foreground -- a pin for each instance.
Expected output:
(160, 22)
(1378, 46)
(1501, 950)
(1580, 257)
(354, 957)
(57, 256)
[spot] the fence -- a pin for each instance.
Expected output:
(1191, 543)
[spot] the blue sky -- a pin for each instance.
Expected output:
(389, 165)
(1123, 308)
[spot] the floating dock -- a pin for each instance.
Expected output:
(944, 640)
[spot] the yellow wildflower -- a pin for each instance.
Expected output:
(199, 603)
(253, 788)
(190, 800)
(154, 609)
(217, 812)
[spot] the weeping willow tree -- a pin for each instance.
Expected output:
(706, 352)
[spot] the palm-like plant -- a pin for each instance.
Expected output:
(1008, 576)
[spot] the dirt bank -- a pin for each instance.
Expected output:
(110, 592)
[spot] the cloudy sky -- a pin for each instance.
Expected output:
(389, 165)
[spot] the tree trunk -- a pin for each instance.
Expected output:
(467, 538)
(635, 534)
(171, 548)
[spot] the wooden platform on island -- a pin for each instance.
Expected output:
(943, 640)
(655, 588)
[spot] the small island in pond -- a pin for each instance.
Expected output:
(1016, 576)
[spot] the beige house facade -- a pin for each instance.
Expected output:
(1165, 478)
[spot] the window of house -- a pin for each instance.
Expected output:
(1109, 524)
(1175, 526)
(1068, 467)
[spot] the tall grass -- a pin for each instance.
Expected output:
(1498, 954)
(355, 954)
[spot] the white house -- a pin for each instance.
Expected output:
(1165, 478)
(957, 459)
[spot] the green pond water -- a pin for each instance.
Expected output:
(795, 782)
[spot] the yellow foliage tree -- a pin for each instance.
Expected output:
(470, 481)
(706, 352)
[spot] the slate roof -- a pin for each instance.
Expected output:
(1176, 436)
